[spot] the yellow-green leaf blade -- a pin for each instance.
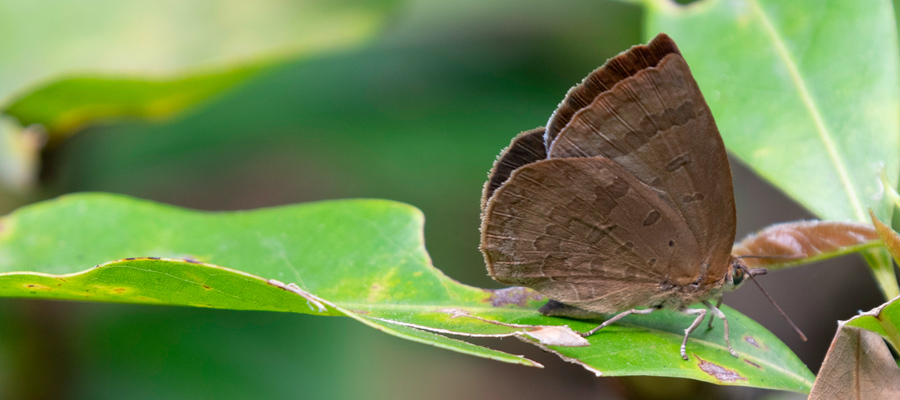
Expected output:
(361, 258)
(805, 93)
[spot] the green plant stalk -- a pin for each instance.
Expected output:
(889, 189)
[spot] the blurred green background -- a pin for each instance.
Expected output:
(415, 114)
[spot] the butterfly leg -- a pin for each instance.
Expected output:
(718, 313)
(700, 313)
(713, 316)
(618, 317)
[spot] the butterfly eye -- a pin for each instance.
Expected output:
(737, 275)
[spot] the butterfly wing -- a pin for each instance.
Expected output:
(583, 231)
(656, 124)
(526, 148)
(621, 67)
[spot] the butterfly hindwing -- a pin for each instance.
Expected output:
(526, 148)
(561, 226)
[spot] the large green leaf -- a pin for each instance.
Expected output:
(804, 92)
(361, 258)
(105, 59)
(64, 106)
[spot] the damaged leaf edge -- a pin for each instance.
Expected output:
(551, 335)
(317, 306)
(890, 332)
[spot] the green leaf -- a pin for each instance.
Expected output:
(883, 320)
(361, 258)
(805, 93)
(152, 60)
(62, 107)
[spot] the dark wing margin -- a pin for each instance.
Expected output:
(604, 78)
(526, 148)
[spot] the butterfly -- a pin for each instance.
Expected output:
(624, 203)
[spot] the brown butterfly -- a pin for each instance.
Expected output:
(624, 201)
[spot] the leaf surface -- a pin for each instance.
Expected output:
(361, 258)
(805, 93)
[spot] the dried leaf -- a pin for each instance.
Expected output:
(858, 366)
(801, 242)
(890, 238)
(558, 336)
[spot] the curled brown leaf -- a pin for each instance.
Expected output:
(800, 242)
(890, 238)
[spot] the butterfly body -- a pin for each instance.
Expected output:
(624, 201)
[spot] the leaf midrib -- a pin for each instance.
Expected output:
(806, 97)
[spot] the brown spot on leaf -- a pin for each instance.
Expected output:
(36, 286)
(120, 290)
(752, 341)
(514, 295)
(752, 363)
(719, 372)
(206, 287)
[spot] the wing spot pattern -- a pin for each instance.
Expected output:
(625, 248)
(678, 162)
(652, 217)
(693, 198)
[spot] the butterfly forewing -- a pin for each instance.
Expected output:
(604, 78)
(657, 125)
(562, 225)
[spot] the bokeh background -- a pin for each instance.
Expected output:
(415, 114)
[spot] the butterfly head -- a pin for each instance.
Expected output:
(740, 272)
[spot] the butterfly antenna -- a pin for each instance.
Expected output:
(783, 314)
